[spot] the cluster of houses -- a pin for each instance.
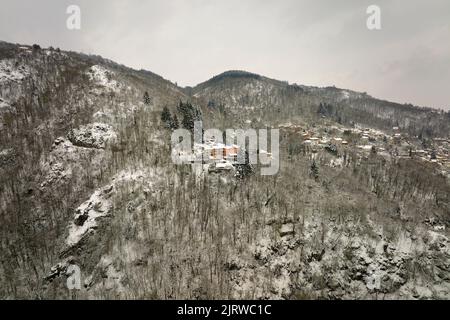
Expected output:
(367, 139)
(309, 139)
(439, 154)
(215, 156)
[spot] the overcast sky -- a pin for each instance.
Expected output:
(306, 42)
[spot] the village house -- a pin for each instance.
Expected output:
(222, 151)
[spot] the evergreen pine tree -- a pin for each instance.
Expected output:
(244, 170)
(314, 170)
(433, 155)
(166, 117)
(190, 115)
(373, 150)
(175, 123)
(147, 99)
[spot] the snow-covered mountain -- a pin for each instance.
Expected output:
(247, 93)
(86, 179)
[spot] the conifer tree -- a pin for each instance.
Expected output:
(314, 172)
(166, 117)
(147, 99)
(175, 123)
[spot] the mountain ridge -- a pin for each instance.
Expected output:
(228, 74)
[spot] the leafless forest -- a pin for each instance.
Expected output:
(86, 178)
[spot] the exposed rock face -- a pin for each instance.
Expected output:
(88, 213)
(56, 271)
(94, 135)
(56, 173)
(346, 268)
(98, 212)
(103, 77)
(12, 71)
(65, 158)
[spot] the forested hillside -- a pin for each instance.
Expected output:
(87, 179)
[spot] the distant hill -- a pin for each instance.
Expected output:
(250, 95)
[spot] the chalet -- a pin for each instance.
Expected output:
(221, 151)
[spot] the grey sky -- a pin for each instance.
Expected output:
(307, 42)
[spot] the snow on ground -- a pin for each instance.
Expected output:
(339, 162)
(100, 205)
(88, 212)
(10, 72)
(4, 104)
(103, 116)
(93, 135)
(56, 172)
(102, 77)
(345, 95)
(113, 276)
(366, 147)
(6, 152)
(127, 175)
(66, 158)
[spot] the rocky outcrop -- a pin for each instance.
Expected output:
(12, 71)
(94, 135)
(65, 158)
(88, 213)
(103, 78)
(345, 267)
